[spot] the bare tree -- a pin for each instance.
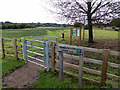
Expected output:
(95, 10)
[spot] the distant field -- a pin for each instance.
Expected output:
(55, 31)
(104, 38)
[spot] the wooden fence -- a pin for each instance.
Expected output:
(14, 46)
(103, 73)
(105, 63)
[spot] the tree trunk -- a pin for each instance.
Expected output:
(90, 23)
(90, 30)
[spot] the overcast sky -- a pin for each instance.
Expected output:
(25, 11)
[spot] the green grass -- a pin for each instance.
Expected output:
(56, 31)
(104, 34)
(98, 34)
(9, 64)
(47, 80)
(18, 33)
(109, 83)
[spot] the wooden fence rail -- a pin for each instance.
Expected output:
(114, 65)
(15, 46)
(104, 62)
(110, 76)
(116, 53)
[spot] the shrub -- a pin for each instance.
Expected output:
(102, 27)
(113, 27)
(86, 27)
(117, 29)
(77, 24)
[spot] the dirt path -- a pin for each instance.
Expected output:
(22, 77)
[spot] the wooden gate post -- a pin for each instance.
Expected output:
(104, 67)
(80, 37)
(25, 50)
(60, 65)
(80, 69)
(3, 50)
(47, 56)
(44, 44)
(53, 57)
(15, 47)
(39, 43)
(70, 36)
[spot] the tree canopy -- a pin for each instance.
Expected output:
(95, 11)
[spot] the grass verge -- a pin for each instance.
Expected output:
(9, 64)
(47, 80)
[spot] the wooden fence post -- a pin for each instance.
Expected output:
(80, 37)
(44, 44)
(104, 67)
(53, 57)
(80, 70)
(3, 50)
(25, 50)
(71, 36)
(15, 47)
(60, 65)
(76, 31)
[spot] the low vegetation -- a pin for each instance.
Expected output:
(47, 80)
(9, 64)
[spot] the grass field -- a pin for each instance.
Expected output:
(55, 31)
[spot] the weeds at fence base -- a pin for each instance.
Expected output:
(48, 80)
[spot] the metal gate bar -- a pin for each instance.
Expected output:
(37, 63)
(42, 46)
(35, 58)
(34, 53)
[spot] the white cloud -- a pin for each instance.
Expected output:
(24, 11)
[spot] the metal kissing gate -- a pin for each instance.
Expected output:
(37, 51)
